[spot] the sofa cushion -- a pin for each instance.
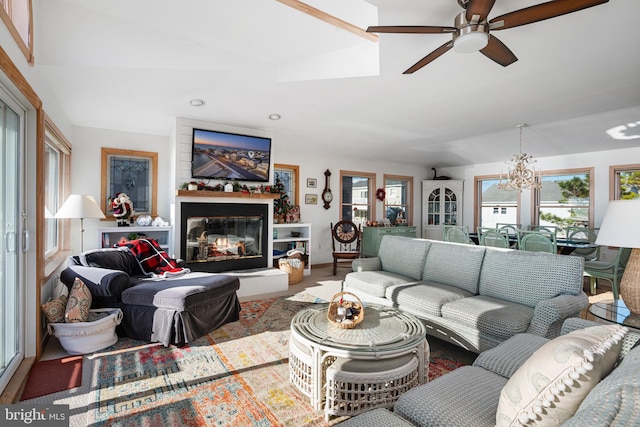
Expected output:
(454, 264)
(490, 316)
(549, 387)
(403, 255)
(111, 258)
(181, 293)
(614, 400)
(466, 397)
(506, 358)
(529, 277)
(105, 285)
(374, 283)
(424, 297)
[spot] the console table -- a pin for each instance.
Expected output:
(371, 237)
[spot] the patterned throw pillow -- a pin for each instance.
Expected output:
(54, 310)
(79, 303)
(549, 387)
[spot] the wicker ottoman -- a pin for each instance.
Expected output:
(356, 386)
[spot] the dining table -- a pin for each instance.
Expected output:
(565, 246)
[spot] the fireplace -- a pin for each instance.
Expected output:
(217, 237)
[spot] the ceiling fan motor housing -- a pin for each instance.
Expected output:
(471, 36)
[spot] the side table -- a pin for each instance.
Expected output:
(615, 311)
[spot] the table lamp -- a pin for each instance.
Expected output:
(80, 206)
(620, 228)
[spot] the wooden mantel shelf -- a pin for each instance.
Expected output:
(239, 195)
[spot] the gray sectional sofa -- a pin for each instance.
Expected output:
(472, 396)
(473, 296)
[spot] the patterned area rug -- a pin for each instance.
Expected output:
(236, 376)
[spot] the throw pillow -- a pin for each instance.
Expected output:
(549, 386)
(79, 303)
(54, 310)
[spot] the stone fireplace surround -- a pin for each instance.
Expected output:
(253, 281)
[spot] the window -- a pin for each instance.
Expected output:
(289, 175)
(56, 180)
(355, 189)
(624, 182)
(17, 16)
(398, 196)
(494, 205)
(565, 199)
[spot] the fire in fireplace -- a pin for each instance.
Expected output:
(219, 237)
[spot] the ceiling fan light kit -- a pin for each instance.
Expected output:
(471, 30)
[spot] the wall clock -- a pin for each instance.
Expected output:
(327, 196)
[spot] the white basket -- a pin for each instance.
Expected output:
(87, 337)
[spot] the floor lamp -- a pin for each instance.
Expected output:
(80, 206)
(620, 228)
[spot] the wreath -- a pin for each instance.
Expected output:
(380, 194)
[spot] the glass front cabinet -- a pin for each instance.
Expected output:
(441, 205)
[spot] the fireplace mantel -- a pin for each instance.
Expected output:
(235, 194)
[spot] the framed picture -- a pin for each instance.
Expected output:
(311, 199)
(312, 182)
(134, 173)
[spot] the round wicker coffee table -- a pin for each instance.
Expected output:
(381, 342)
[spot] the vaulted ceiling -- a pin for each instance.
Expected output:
(134, 66)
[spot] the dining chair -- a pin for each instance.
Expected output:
(608, 270)
(456, 233)
(492, 237)
(346, 237)
(511, 229)
(584, 234)
(548, 228)
(537, 241)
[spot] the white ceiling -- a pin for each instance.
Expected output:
(134, 66)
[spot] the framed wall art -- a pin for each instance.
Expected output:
(134, 173)
(312, 182)
(311, 199)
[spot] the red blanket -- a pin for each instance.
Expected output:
(152, 259)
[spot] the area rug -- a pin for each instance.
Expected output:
(52, 376)
(236, 376)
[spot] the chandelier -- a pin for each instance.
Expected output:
(520, 175)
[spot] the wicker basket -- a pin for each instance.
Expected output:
(295, 272)
(338, 301)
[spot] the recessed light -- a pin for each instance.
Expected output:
(197, 102)
(275, 116)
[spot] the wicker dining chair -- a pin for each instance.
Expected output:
(537, 241)
(608, 270)
(456, 233)
(493, 237)
(584, 234)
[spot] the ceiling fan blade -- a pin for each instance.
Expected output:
(480, 8)
(411, 29)
(498, 52)
(541, 12)
(430, 57)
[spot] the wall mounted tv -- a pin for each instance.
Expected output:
(230, 156)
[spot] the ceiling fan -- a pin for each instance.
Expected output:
(471, 30)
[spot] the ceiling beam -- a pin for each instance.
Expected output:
(329, 19)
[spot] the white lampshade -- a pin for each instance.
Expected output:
(621, 225)
(79, 206)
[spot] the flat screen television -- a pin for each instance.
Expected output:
(230, 156)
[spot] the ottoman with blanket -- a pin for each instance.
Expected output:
(160, 301)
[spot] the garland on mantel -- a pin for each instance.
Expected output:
(237, 188)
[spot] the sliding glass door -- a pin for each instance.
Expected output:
(11, 322)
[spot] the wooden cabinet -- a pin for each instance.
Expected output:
(441, 205)
(371, 237)
(292, 236)
(110, 235)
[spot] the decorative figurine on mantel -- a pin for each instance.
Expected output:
(122, 208)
